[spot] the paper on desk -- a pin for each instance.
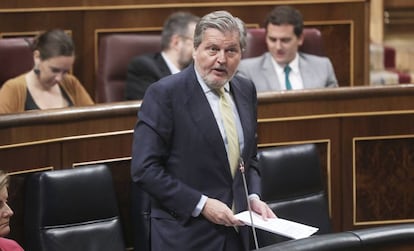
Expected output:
(280, 226)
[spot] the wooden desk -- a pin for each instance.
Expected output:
(365, 136)
(67, 138)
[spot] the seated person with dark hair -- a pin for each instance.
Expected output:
(283, 67)
(49, 84)
(177, 48)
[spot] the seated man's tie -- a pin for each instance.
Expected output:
(287, 70)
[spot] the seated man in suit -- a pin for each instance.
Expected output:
(283, 67)
(177, 48)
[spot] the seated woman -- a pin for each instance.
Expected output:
(49, 84)
(5, 214)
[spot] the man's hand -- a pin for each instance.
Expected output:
(261, 208)
(219, 213)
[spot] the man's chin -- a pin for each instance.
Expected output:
(216, 83)
(281, 61)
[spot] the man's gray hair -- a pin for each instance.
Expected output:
(222, 21)
(176, 24)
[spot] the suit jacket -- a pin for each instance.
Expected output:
(179, 154)
(142, 72)
(316, 72)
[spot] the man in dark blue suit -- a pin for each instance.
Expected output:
(181, 150)
(176, 54)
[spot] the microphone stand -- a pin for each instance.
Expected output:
(241, 166)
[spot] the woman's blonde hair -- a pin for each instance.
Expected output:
(4, 179)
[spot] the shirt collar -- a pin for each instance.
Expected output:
(294, 65)
(170, 65)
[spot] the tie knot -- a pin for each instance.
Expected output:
(220, 91)
(287, 69)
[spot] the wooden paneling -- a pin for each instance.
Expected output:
(339, 117)
(398, 18)
(385, 187)
(382, 167)
(344, 25)
(68, 138)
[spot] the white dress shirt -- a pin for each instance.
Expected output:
(294, 75)
(171, 66)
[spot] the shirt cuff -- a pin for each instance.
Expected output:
(199, 207)
(254, 196)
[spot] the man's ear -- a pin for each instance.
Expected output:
(175, 40)
(301, 38)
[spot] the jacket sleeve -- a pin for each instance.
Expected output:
(13, 95)
(76, 91)
(142, 72)
(153, 137)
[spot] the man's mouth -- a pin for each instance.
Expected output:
(220, 70)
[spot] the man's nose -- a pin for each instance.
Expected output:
(221, 57)
(278, 44)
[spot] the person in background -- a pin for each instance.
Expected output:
(283, 67)
(49, 84)
(177, 48)
(195, 127)
(5, 214)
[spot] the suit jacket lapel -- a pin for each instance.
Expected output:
(203, 116)
(205, 121)
(244, 110)
(306, 72)
(163, 67)
(269, 73)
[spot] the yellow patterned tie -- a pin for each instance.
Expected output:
(227, 114)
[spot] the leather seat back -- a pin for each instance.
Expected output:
(115, 51)
(292, 186)
(72, 209)
(383, 238)
(16, 57)
(343, 241)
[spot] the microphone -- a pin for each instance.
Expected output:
(241, 167)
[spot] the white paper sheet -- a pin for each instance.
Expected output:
(280, 226)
